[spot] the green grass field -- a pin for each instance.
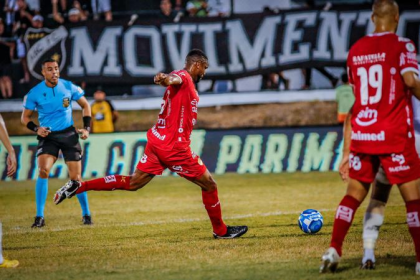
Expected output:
(162, 232)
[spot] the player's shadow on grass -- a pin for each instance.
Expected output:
(381, 261)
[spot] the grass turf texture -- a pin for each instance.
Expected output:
(162, 232)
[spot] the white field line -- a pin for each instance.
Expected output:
(22, 230)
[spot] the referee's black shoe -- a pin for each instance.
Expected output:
(87, 220)
(38, 223)
(66, 191)
(232, 232)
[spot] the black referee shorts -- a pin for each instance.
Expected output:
(66, 140)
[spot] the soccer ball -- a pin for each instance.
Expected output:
(310, 221)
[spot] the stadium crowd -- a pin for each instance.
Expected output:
(19, 15)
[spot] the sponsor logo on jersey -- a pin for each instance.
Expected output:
(194, 104)
(355, 162)
(399, 168)
(344, 213)
(110, 179)
(413, 219)
(410, 47)
(401, 160)
(402, 39)
(398, 158)
(157, 134)
(161, 123)
(214, 205)
(359, 136)
(393, 71)
(143, 159)
(177, 168)
(367, 117)
(369, 58)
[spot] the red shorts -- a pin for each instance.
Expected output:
(180, 160)
(399, 168)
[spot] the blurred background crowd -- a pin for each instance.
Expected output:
(18, 15)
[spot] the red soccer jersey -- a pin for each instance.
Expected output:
(382, 113)
(178, 114)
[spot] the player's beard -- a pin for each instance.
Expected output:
(198, 79)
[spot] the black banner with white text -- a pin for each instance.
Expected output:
(240, 46)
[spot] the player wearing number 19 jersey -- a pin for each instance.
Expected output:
(168, 146)
(380, 67)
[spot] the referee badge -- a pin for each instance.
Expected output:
(66, 102)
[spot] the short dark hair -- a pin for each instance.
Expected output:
(344, 77)
(196, 55)
(48, 60)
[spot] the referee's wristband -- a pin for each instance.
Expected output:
(32, 126)
(86, 122)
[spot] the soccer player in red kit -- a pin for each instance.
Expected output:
(168, 146)
(382, 68)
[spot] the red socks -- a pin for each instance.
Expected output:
(343, 220)
(212, 205)
(413, 221)
(108, 183)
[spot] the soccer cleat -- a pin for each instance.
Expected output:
(87, 220)
(232, 232)
(38, 223)
(9, 263)
(369, 264)
(330, 260)
(418, 268)
(66, 191)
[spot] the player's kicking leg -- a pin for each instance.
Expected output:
(374, 218)
(108, 183)
(212, 204)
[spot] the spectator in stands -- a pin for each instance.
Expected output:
(345, 98)
(6, 52)
(102, 7)
(37, 22)
(34, 6)
(23, 16)
(104, 115)
(10, 8)
(180, 5)
(218, 8)
(166, 11)
(197, 8)
(272, 81)
(75, 14)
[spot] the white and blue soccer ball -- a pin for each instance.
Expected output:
(310, 221)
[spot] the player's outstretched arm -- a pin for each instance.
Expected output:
(11, 157)
(87, 117)
(412, 81)
(343, 169)
(167, 79)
